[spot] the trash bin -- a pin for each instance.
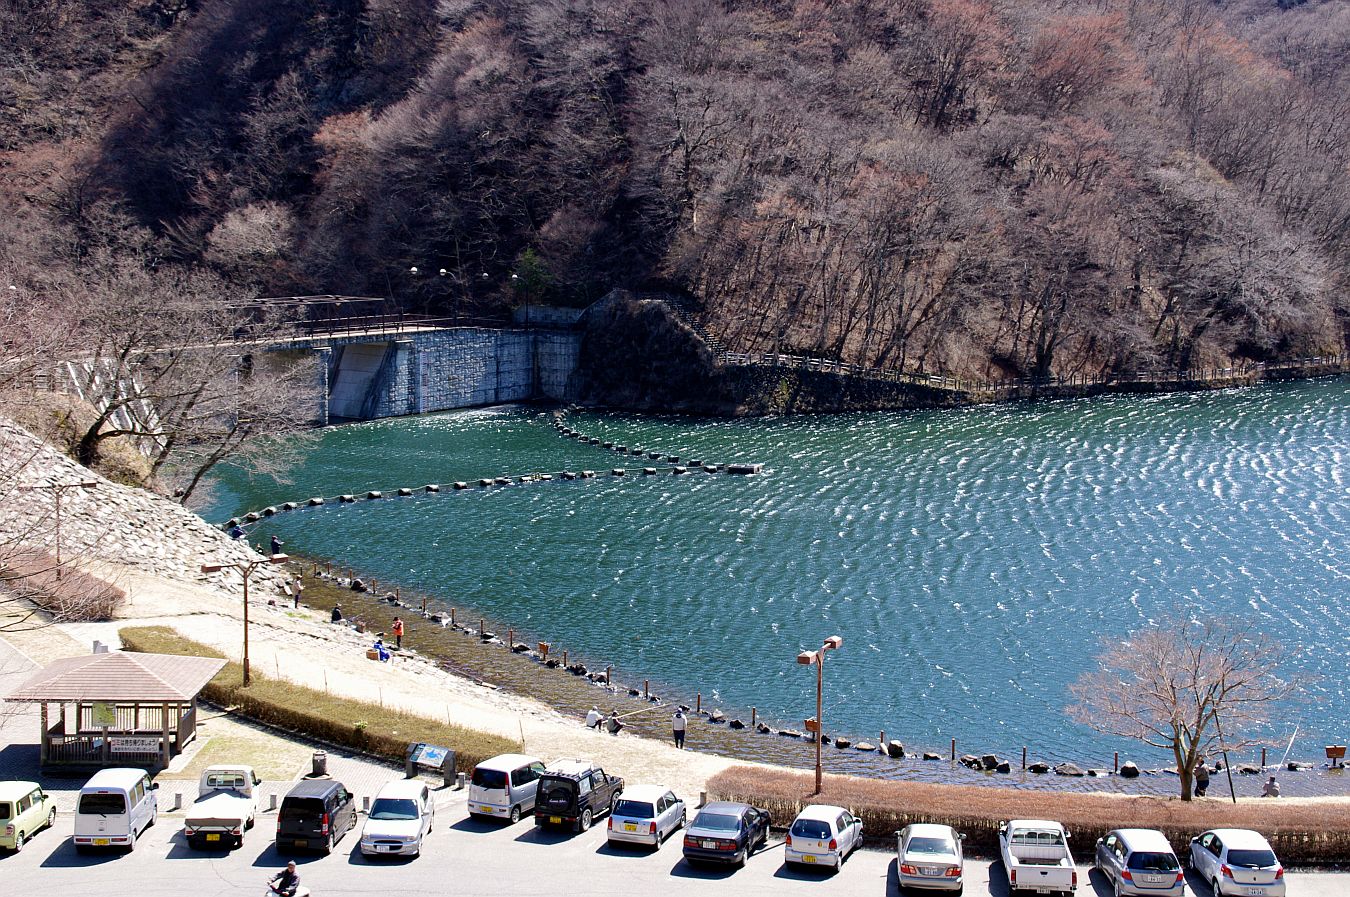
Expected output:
(320, 763)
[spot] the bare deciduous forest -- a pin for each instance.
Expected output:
(990, 188)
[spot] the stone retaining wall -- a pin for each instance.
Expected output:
(111, 523)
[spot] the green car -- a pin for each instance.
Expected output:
(24, 809)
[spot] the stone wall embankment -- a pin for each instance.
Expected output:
(110, 527)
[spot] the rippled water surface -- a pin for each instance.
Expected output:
(972, 559)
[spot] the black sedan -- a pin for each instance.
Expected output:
(725, 832)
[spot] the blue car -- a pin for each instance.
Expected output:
(725, 832)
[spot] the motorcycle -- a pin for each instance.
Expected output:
(272, 891)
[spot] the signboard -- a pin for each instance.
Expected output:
(103, 714)
(430, 755)
(134, 745)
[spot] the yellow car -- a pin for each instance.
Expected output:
(24, 809)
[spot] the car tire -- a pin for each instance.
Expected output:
(51, 817)
(515, 815)
(1214, 888)
(18, 841)
(584, 823)
(741, 858)
(131, 841)
(1117, 889)
(249, 824)
(327, 846)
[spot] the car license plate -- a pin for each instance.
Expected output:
(930, 870)
(709, 845)
(556, 820)
(1257, 891)
(301, 842)
(808, 859)
(101, 842)
(1044, 891)
(1153, 879)
(213, 837)
(629, 827)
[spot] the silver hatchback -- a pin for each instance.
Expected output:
(1140, 861)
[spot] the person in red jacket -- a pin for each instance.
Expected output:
(398, 632)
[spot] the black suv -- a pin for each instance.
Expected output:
(314, 815)
(575, 792)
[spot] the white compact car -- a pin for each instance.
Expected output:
(1237, 862)
(401, 816)
(646, 814)
(930, 856)
(822, 835)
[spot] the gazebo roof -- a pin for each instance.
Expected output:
(120, 676)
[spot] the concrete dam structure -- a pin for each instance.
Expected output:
(439, 369)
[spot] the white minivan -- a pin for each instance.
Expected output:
(114, 808)
(504, 787)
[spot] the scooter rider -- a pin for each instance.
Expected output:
(286, 882)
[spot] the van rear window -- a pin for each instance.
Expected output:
(811, 828)
(4, 811)
(1154, 862)
(635, 809)
(489, 778)
(103, 804)
(302, 809)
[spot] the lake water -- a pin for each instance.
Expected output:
(973, 559)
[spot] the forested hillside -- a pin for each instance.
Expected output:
(991, 188)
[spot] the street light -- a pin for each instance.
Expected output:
(818, 658)
(58, 490)
(246, 569)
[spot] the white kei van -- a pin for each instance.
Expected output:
(504, 787)
(114, 808)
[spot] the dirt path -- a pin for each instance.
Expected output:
(301, 646)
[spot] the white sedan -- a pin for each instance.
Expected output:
(1237, 861)
(399, 819)
(929, 856)
(646, 814)
(822, 835)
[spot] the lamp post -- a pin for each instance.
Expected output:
(246, 569)
(818, 658)
(58, 490)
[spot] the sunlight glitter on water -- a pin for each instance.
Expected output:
(974, 548)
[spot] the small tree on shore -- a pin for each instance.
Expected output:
(1181, 683)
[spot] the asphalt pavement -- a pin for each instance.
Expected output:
(466, 857)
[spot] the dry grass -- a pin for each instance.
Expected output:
(1301, 833)
(355, 724)
(74, 597)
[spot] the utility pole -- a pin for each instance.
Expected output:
(58, 490)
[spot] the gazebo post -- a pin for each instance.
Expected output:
(44, 747)
(164, 746)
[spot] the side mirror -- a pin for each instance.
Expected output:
(257, 781)
(154, 786)
(962, 836)
(1195, 840)
(1099, 842)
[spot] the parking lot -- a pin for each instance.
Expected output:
(475, 858)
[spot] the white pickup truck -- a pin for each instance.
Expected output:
(226, 806)
(1036, 856)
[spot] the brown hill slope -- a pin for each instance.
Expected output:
(984, 187)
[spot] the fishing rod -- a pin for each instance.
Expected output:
(1285, 758)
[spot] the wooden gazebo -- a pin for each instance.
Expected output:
(117, 708)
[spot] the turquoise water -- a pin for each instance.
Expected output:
(972, 559)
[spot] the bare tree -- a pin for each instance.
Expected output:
(1185, 686)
